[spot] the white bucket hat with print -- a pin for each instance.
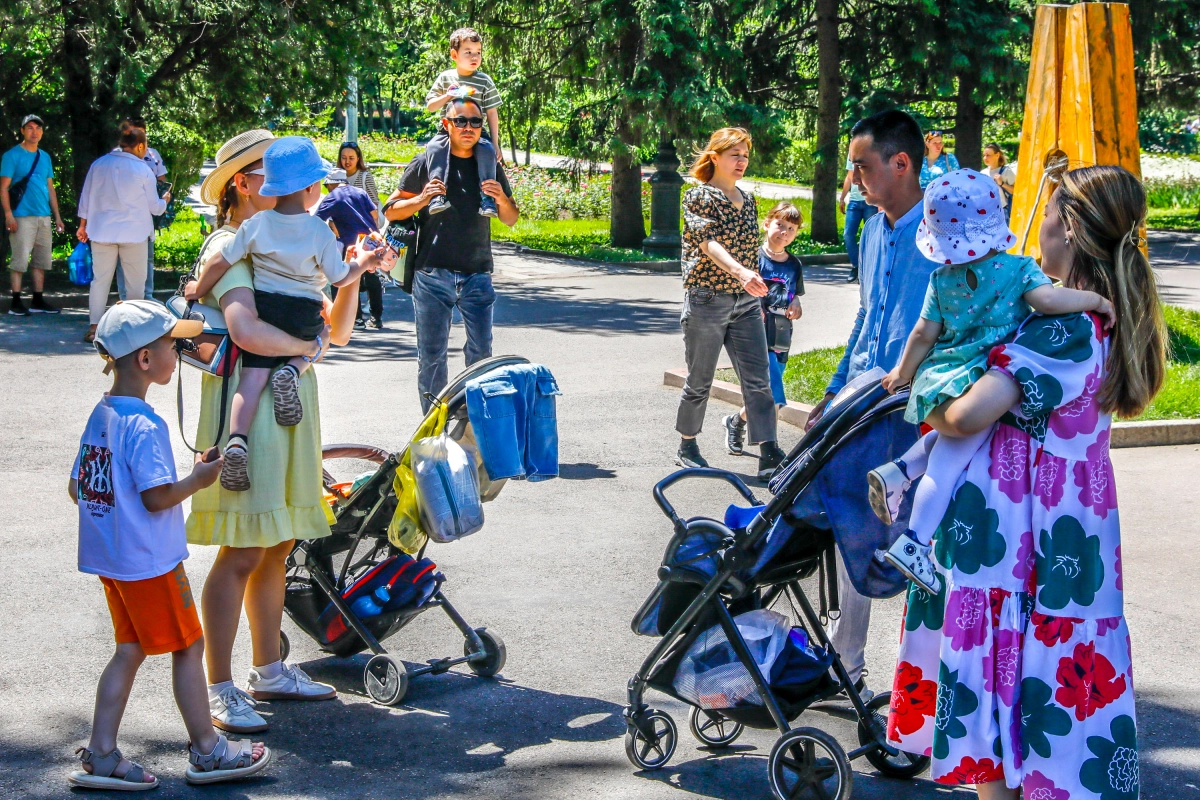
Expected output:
(963, 219)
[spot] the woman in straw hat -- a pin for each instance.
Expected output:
(257, 528)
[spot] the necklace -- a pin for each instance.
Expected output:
(771, 252)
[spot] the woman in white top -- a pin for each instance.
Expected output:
(1004, 176)
(116, 207)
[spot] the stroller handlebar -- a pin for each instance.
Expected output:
(661, 487)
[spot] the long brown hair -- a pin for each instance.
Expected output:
(1104, 210)
(702, 167)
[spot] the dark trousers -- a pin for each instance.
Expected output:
(373, 286)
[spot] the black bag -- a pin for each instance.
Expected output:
(402, 236)
(16, 191)
(164, 219)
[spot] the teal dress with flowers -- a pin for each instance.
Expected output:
(973, 322)
(1021, 668)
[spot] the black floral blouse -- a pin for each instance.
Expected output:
(709, 214)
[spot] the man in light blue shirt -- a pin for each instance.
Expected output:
(886, 151)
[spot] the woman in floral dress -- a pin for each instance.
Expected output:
(1018, 674)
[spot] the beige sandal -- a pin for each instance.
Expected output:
(229, 761)
(101, 776)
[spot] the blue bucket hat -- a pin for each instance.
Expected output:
(291, 164)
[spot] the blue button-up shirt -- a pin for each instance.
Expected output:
(895, 277)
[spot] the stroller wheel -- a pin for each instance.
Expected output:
(491, 661)
(285, 647)
(650, 740)
(809, 763)
(386, 679)
(712, 729)
(900, 765)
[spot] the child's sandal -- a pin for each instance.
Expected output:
(235, 472)
(285, 386)
(229, 761)
(101, 776)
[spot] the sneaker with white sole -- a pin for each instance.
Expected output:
(285, 387)
(291, 684)
(233, 711)
(735, 434)
(886, 488)
(912, 558)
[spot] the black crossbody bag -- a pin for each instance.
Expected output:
(16, 191)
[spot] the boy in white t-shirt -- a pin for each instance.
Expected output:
(131, 535)
(294, 255)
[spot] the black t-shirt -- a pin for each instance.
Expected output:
(457, 239)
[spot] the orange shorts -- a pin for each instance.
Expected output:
(157, 613)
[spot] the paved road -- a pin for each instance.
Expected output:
(559, 571)
(1176, 261)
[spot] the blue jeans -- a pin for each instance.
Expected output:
(512, 411)
(439, 157)
(857, 212)
(149, 273)
(436, 292)
(777, 368)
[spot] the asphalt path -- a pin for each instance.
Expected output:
(558, 571)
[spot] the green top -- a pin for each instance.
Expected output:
(286, 499)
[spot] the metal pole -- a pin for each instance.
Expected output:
(666, 185)
(352, 109)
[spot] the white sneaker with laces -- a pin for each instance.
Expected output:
(291, 684)
(887, 485)
(233, 711)
(912, 558)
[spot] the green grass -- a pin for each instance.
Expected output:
(808, 372)
(1173, 219)
(375, 147)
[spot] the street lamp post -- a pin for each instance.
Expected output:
(665, 186)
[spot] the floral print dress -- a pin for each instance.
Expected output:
(1021, 669)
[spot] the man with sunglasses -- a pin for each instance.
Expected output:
(454, 248)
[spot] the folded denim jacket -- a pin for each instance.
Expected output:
(512, 411)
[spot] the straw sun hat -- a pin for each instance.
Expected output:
(234, 155)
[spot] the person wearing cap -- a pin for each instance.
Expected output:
(350, 212)
(255, 530)
(116, 208)
(28, 221)
(294, 255)
(977, 298)
(131, 535)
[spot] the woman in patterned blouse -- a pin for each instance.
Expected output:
(720, 301)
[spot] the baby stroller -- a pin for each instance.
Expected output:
(714, 572)
(329, 578)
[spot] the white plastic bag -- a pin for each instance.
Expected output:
(870, 376)
(710, 675)
(447, 488)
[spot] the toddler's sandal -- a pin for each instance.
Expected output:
(285, 386)
(235, 472)
(101, 776)
(229, 761)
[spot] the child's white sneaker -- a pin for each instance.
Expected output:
(912, 558)
(886, 488)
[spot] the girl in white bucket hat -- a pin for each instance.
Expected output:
(977, 299)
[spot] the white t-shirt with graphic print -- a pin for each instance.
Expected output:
(125, 450)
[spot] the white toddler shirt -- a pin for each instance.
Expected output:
(126, 449)
(292, 254)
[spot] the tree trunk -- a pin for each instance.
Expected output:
(627, 227)
(968, 123)
(829, 105)
(86, 126)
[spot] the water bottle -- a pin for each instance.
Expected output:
(382, 596)
(366, 606)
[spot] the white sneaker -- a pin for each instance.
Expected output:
(912, 558)
(233, 710)
(887, 487)
(291, 684)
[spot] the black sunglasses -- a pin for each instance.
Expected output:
(462, 122)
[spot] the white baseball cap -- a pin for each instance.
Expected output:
(336, 176)
(128, 327)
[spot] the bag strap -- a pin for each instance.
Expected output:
(20, 185)
(225, 373)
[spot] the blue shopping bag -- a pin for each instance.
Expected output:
(79, 264)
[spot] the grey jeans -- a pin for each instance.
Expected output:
(712, 319)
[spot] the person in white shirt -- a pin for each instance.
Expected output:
(1004, 176)
(115, 209)
(294, 255)
(155, 162)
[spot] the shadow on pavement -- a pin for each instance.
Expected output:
(584, 472)
(563, 308)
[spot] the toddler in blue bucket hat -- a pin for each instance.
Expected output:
(293, 255)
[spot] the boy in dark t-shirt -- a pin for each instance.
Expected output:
(784, 276)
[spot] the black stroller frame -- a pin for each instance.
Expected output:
(795, 768)
(363, 518)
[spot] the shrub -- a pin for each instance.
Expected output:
(544, 194)
(1162, 133)
(182, 152)
(1162, 193)
(177, 247)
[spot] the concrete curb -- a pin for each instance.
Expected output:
(1155, 433)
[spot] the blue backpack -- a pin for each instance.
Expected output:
(397, 583)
